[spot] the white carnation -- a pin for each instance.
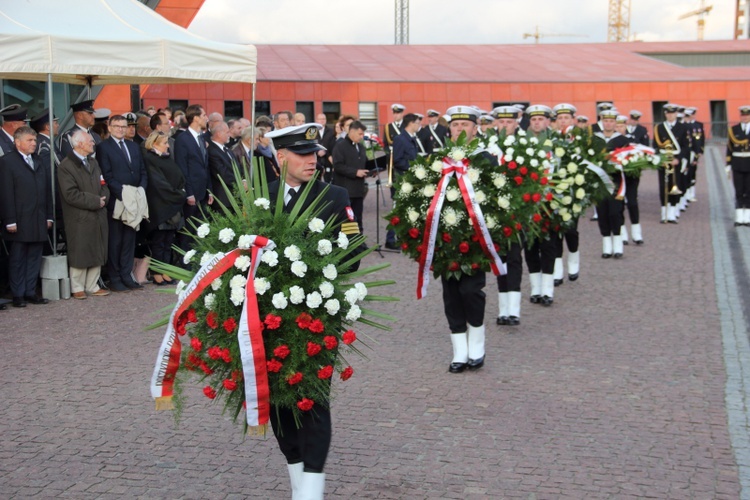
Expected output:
(452, 194)
(572, 168)
(437, 166)
(580, 193)
(580, 179)
(509, 152)
(533, 140)
(457, 154)
(242, 262)
(279, 301)
(509, 140)
(534, 162)
(473, 175)
(449, 217)
(361, 290)
(490, 222)
(576, 208)
(188, 256)
(480, 196)
(562, 172)
(559, 152)
(523, 141)
(299, 268)
(413, 215)
(244, 241)
(209, 300)
(263, 203)
(316, 225)
(503, 202)
(420, 172)
(520, 160)
(330, 272)
(567, 200)
(206, 258)
(406, 188)
(203, 230)
(591, 152)
(314, 300)
(216, 284)
(429, 191)
(237, 281)
(342, 241)
(325, 247)
(326, 289)
(270, 257)
(296, 295)
(332, 306)
(292, 252)
(542, 154)
(351, 296)
(226, 235)
(530, 151)
(261, 285)
(237, 296)
(499, 181)
(566, 216)
(354, 313)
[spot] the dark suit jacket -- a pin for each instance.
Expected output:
(25, 198)
(404, 150)
(220, 167)
(347, 159)
(194, 165)
(429, 141)
(116, 169)
(6, 143)
(640, 135)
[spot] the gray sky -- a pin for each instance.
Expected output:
(441, 22)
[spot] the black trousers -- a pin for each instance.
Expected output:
(160, 243)
(121, 251)
(540, 256)
(610, 216)
(24, 262)
(672, 199)
(741, 189)
(4, 262)
(463, 301)
(631, 195)
(571, 238)
(692, 171)
(511, 282)
(310, 443)
(358, 207)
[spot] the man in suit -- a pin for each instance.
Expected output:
(142, 129)
(191, 155)
(738, 164)
(122, 165)
(213, 120)
(220, 164)
(349, 169)
(305, 444)
(671, 138)
(26, 212)
(405, 150)
(433, 136)
(698, 143)
(327, 140)
(394, 127)
(160, 123)
(83, 114)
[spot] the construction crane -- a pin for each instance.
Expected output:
(701, 13)
(536, 35)
(618, 21)
(402, 22)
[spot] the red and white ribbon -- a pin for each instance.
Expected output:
(624, 153)
(249, 335)
(459, 169)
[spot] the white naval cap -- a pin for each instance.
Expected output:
(563, 108)
(300, 139)
(506, 112)
(539, 110)
(462, 113)
(635, 114)
(398, 108)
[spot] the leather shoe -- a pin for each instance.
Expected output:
(118, 287)
(535, 299)
(475, 364)
(573, 277)
(502, 320)
(19, 302)
(672, 222)
(457, 367)
(618, 256)
(35, 299)
(100, 293)
(133, 285)
(514, 321)
(639, 242)
(547, 300)
(558, 282)
(625, 242)
(606, 255)
(79, 295)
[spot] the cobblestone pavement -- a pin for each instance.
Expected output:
(619, 390)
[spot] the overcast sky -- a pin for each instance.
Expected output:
(454, 22)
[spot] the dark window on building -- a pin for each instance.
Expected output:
(719, 119)
(176, 104)
(232, 109)
(262, 108)
(307, 108)
(657, 108)
(332, 110)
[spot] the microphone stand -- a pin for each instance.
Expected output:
(378, 195)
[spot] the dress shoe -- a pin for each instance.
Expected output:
(672, 222)
(19, 302)
(639, 242)
(392, 246)
(100, 293)
(457, 367)
(547, 300)
(663, 221)
(35, 299)
(535, 299)
(475, 364)
(558, 282)
(625, 242)
(606, 255)
(79, 295)
(573, 277)
(595, 217)
(618, 256)
(133, 285)
(502, 320)
(118, 287)
(514, 321)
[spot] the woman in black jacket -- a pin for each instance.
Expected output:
(166, 195)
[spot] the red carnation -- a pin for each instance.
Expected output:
(229, 385)
(305, 404)
(404, 246)
(463, 247)
(536, 197)
(474, 266)
(294, 379)
(518, 179)
(496, 247)
(209, 392)
(447, 237)
(537, 217)
(414, 233)
(512, 165)
(229, 325)
(214, 352)
(523, 170)
(192, 362)
(180, 326)
(395, 221)
(196, 344)
(534, 176)
(226, 356)
(419, 248)
(348, 337)
(453, 266)
(526, 197)
(304, 320)
(237, 375)
(281, 352)
(191, 316)
(347, 373)
(519, 226)
(206, 369)
(313, 348)
(272, 322)
(317, 326)
(549, 196)
(325, 372)
(273, 365)
(330, 342)
(544, 181)
(212, 320)
(507, 231)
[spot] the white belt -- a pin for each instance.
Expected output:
(741, 155)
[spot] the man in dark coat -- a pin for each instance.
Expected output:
(220, 164)
(349, 167)
(122, 165)
(26, 212)
(327, 140)
(83, 114)
(84, 198)
(305, 447)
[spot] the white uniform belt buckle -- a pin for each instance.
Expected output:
(742, 155)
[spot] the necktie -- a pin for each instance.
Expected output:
(292, 198)
(124, 150)
(30, 161)
(201, 146)
(86, 165)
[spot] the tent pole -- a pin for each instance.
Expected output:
(52, 162)
(252, 124)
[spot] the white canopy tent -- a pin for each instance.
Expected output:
(98, 42)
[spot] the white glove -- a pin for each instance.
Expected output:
(728, 170)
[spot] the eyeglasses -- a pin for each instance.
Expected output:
(119, 126)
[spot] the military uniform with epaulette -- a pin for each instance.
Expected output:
(738, 162)
(698, 142)
(671, 141)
